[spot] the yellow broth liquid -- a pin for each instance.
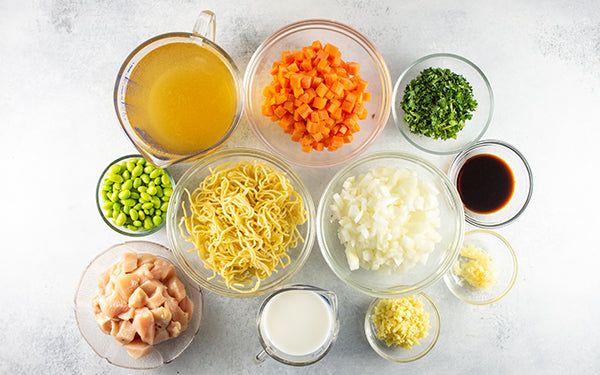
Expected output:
(182, 98)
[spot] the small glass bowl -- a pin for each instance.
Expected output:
(505, 260)
(105, 345)
(421, 276)
(474, 128)
(522, 174)
(355, 47)
(189, 260)
(399, 354)
(109, 221)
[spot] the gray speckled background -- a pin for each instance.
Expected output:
(58, 130)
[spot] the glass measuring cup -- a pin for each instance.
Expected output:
(297, 325)
(178, 96)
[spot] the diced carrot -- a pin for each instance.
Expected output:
(316, 97)
(307, 148)
(347, 106)
(337, 88)
(304, 110)
(319, 102)
(321, 90)
(353, 68)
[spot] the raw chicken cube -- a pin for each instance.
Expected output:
(137, 348)
(143, 323)
(175, 288)
(126, 332)
(137, 299)
(129, 262)
(163, 270)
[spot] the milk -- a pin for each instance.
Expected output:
(297, 322)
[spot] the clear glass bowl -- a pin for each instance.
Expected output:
(505, 260)
(474, 128)
(189, 260)
(523, 177)
(380, 284)
(399, 354)
(109, 221)
(104, 345)
(355, 47)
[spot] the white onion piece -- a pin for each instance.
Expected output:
(388, 219)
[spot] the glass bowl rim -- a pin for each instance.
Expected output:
(143, 232)
(375, 347)
(292, 269)
(431, 278)
(453, 174)
(399, 121)
(333, 25)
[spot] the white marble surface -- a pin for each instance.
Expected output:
(58, 129)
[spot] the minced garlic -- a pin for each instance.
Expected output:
(401, 321)
(478, 269)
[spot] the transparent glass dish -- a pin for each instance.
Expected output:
(189, 260)
(474, 128)
(355, 47)
(504, 259)
(399, 354)
(104, 345)
(523, 182)
(109, 221)
(381, 284)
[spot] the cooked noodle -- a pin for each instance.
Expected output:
(243, 218)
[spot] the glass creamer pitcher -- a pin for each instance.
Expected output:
(178, 96)
(297, 325)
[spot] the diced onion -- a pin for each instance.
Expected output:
(388, 219)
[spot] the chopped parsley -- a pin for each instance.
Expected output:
(437, 103)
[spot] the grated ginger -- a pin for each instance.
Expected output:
(401, 322)
(478, 269)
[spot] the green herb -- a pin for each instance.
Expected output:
(437, 103)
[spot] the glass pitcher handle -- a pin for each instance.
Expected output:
(206, 25)
(260, 357)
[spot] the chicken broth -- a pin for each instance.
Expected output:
(182, 97)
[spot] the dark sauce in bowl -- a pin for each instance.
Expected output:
(485, 183)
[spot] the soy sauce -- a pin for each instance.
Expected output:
(485, 183)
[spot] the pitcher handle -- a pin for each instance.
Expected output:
(260, 357)
(206, 25)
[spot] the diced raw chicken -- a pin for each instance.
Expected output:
(141, 303)
(104, 323)
(150, 286)
(129, 262)
(161, 335)
(144, 272)
(114, 327)
(126, 332)
(113, 305)
(158, 298)
(145, 258)
(137, 299)
(137, 348)
(127, 315)
(104, 277)
(95, 302)
(176, 288)
(178, 315)
(163, 270)
(143, 322)
(174, 329)
(162, 317)
(126, 284)
(187, 306)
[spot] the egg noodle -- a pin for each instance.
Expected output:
(243, 218)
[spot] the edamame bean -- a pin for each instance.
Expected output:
(164, 179)
(155, 173)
